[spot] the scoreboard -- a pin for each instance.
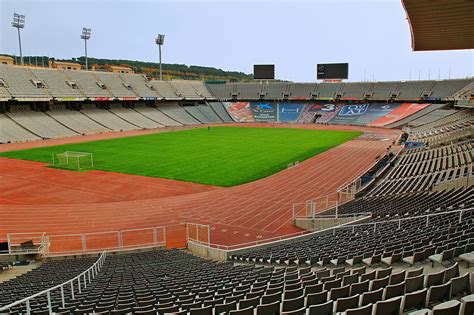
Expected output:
(330, 71)
(264, 72)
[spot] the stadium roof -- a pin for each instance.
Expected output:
(440, 24)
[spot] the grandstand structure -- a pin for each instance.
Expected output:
(416, 200)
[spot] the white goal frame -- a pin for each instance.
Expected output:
(72, 159)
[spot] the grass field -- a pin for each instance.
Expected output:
(222, 156)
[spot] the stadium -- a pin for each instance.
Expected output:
(123, 192)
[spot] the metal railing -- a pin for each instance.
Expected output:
(82, 281)
(374, 225)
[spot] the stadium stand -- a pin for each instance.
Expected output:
(248, 91)
(221, 111)
(134, 117)
(186, 90)
(21, 84)
(221, 91)
(356, 90)
(157, 116)
(89, 84)
(446, 88)
(276, 90)
(207, 111)
(302, 90)
(140, 85)
(107, 119)
(176, 282)
(407, 120)
(197, 114)
(115, 85)
(415, 89)
(11, 131)
(41, 278)
(385, 90)
(178, 113)
(201, 90)
(166, 90)
(76, 120)
(57, 84)
(41, 124)
(329, 90)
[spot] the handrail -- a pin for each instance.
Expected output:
(87, 276)
(249, 245)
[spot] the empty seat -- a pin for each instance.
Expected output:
(414, 300)
(388, 307)
(467, 304)
(394, 290)
(439, 293)
(448, 308)
(371, 297)
(414, 283)
(268, 309)
(364, 310)
(346, 303)
(245, 311)
(322, 309)
(461, 285)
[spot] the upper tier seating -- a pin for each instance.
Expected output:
(88, 83)
(115, 85)
(166, 90)
(21, 84)
(185, 90)
(140, 85)
(56, 82)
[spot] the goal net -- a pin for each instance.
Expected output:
(73, 160)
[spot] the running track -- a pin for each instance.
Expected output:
(37, 199)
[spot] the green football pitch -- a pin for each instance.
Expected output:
(221, 156)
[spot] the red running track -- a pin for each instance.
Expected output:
(240, 214)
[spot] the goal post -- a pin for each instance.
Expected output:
(73, 160)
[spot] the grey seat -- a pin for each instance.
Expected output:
(414, 300)
(268, 309)
(390, 260)
(439, 293)
(322, 309)
(346, 303)
(451, 272)
(313, 288)
(206, 310)
(356, 260)
(394, 290)
(435, 278)
(417, 257)
(414, 283)
(382, 273)
(460, 285)
(341, 292)
(364, 310)
(316, 298)
(399, 277)
(253, 302)
(468, 258)
(440, 258)
(360, 287)
(388, 307)
(371, 297)
(467, 304)
(293, 304)
(379, 283)
(447, 308)
(245, 311)
(415, 272)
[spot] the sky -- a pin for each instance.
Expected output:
(295, 35)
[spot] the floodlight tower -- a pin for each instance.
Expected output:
(86, 34)
(19, 22)
(160, 41)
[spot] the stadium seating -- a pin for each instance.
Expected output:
(115, 85)
(140, 85)
(108, 119)
(134, 117)
(174, 281)
(56, 81)
(76, 121)
(41, 124)
(220, 110)
(157, 116)
(12, 132)
(90, 85)
(21, 84)
(176, 112)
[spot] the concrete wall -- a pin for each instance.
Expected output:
(322, 223)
